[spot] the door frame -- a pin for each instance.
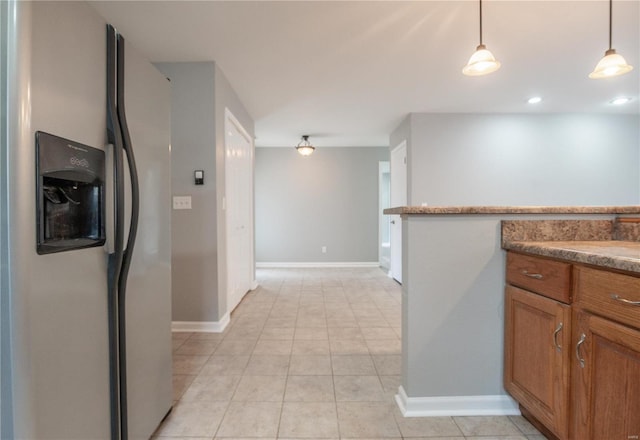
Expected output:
(384, 220)
(395, 263)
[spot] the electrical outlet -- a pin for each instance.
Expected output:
(324, 249)
(181, 202)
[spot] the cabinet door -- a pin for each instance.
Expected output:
(606, 379)
(537, 359)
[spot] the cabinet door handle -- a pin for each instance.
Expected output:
(537, 276)
(625, 301)
(580, 342)
(555, 337)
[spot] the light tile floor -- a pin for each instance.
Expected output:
(310, 354)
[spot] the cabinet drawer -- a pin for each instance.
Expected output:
(546, 277)
(611, 295)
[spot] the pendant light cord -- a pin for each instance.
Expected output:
(480, 22)
(610, 23)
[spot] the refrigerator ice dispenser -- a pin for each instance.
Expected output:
(70, 194)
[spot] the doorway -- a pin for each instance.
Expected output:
(384, 222)
(398, 198)
(239, 162)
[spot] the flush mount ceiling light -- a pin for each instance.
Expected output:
(534, 100)
(482, 61)
(620, 101)
(612, 64)
(304, 147)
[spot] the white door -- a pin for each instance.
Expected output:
(398, 198)
(239, 210)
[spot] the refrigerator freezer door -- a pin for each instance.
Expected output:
(59, 328)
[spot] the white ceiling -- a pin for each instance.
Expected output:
(347, 72)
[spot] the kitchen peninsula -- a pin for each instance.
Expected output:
(453, 271)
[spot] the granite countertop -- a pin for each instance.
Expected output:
(452, 210)
(614, 254)
(613, 244)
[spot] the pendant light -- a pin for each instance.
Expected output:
(612, 64)
(482, 61)
(304, 147)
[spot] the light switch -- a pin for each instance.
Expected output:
(181, 202)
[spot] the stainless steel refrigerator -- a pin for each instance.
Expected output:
(84, 312)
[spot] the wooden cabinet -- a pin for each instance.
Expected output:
(537, 339)
(606, 366)
(574, 368)
(606, 380)
(537, 356)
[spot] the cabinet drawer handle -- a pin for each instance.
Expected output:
(580, 342)
(555, 337)
(625, 301)
(537, 276)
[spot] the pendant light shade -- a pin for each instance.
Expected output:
(482, 61)
(304, 147)
(612, 64)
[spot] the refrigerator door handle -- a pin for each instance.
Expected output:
(114, 137)
(131, 239)
(131, 162)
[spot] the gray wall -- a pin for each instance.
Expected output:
(327, 199)
(453, 303)
(524, 159)
(194, 255)
(200, 93)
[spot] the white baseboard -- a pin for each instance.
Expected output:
(496, 405)
(201, 326)
(319, 264)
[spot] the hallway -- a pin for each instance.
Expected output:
(313, 354)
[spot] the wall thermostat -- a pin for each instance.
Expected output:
(198, 176)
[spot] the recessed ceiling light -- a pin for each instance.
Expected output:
(534, 100)
(620, 101)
